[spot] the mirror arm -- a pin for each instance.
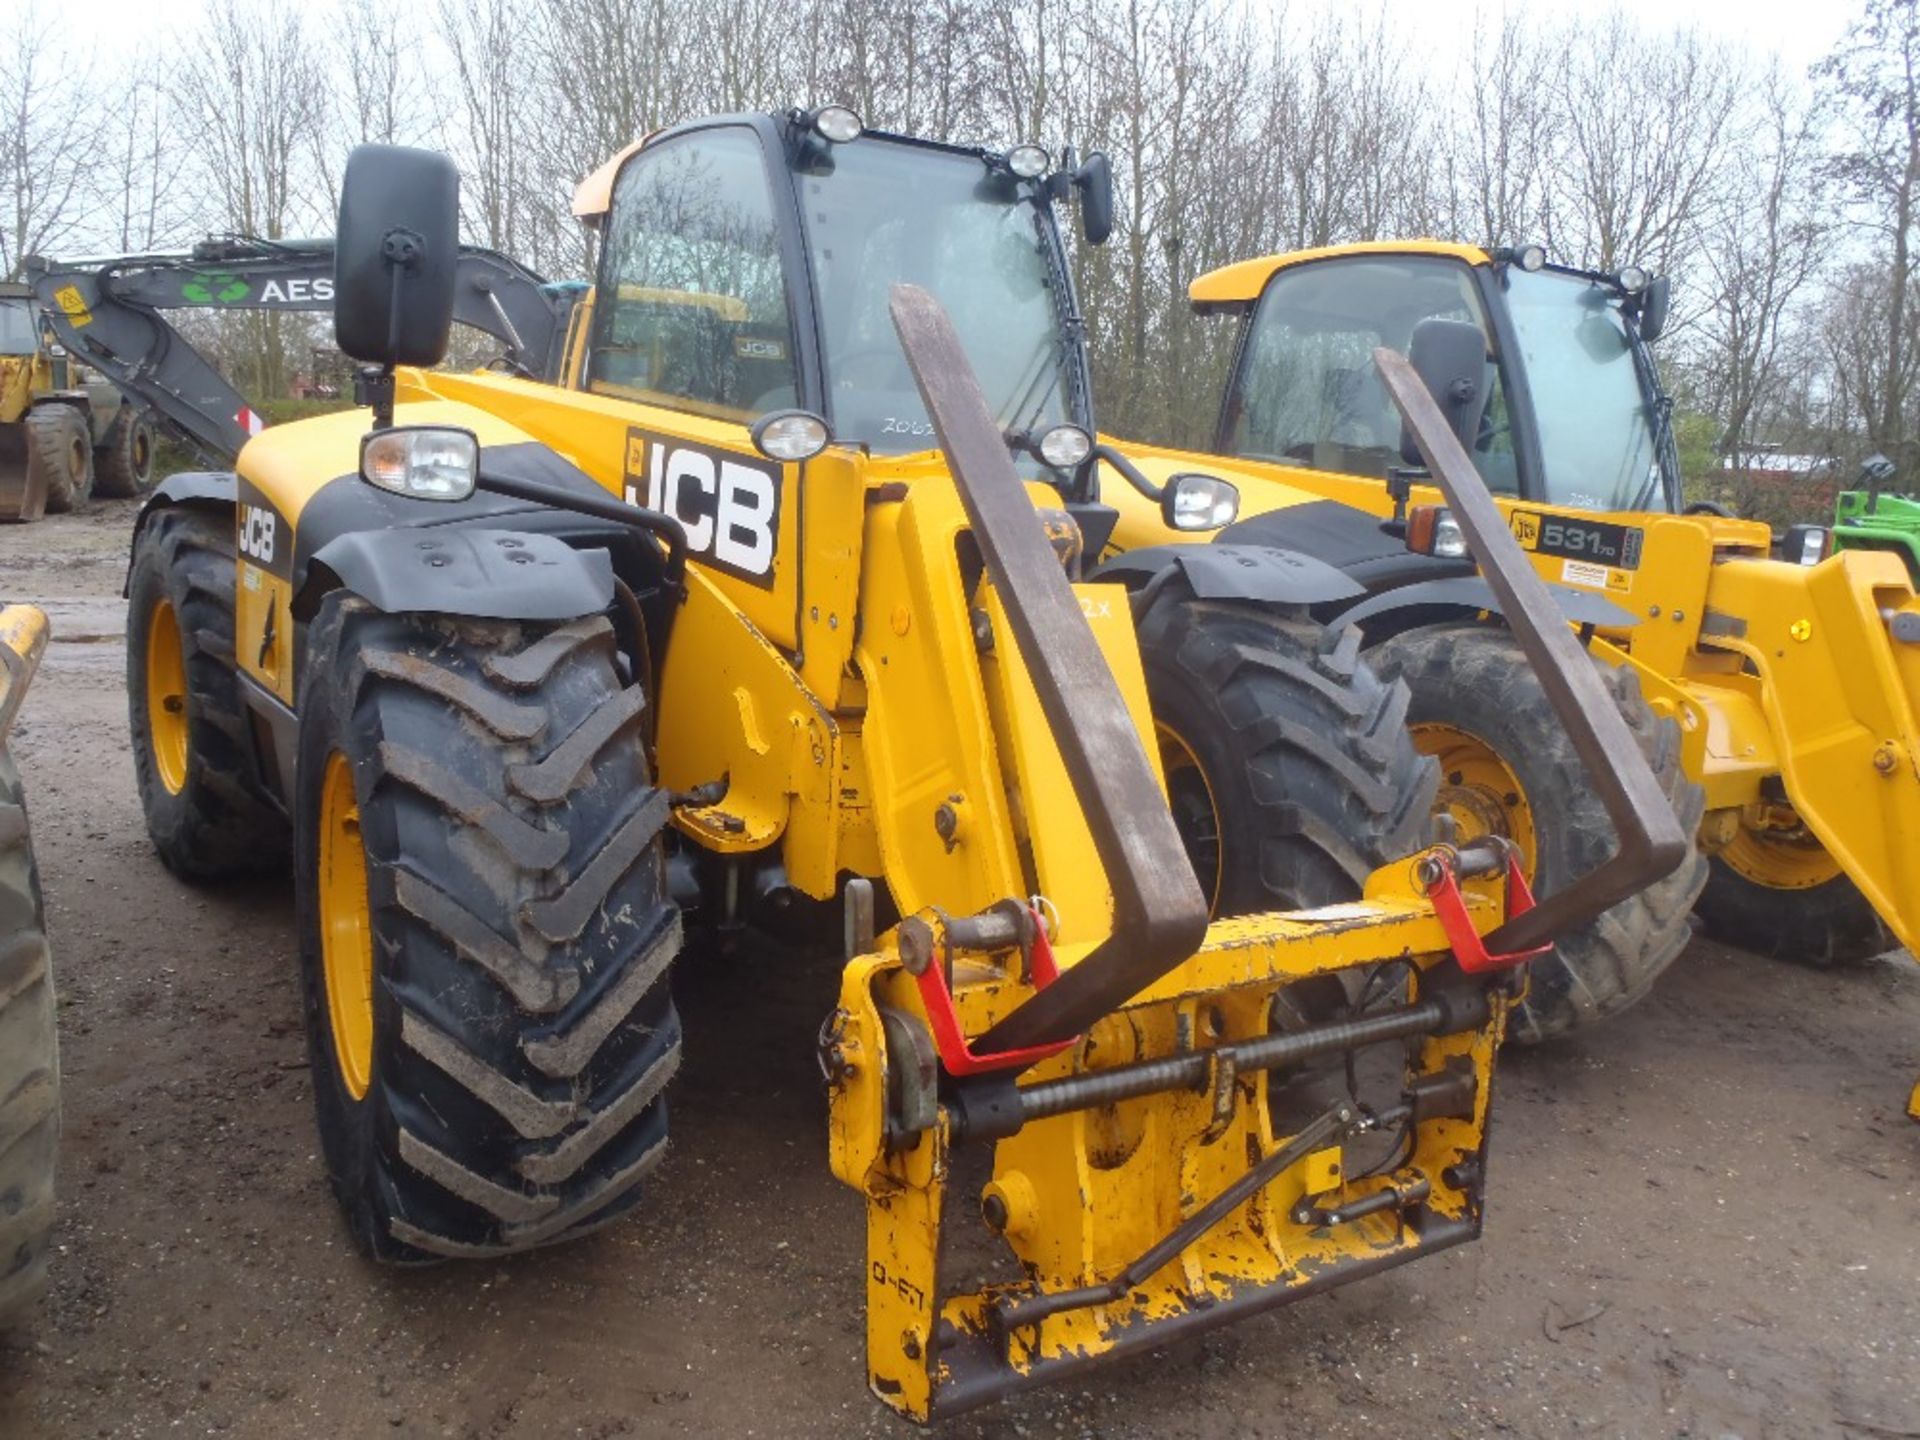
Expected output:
(373, 388)
(670, 533)
(1129, 471)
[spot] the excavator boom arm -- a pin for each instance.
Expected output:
(111, 315)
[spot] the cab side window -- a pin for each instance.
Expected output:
(1307, 392)
(692, 306)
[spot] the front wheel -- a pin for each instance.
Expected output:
(29, 1063)
(1508, 768)
(59, 456)
(484, 930)
(1289, 769)
(1774, 891)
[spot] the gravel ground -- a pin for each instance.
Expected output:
(1703, 1217)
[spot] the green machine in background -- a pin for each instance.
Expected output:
(1868, 517)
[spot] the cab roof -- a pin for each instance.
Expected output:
(1235, 287)
(593, 196)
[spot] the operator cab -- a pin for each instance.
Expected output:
(747, 263)
(19, 326)
(1575, 416)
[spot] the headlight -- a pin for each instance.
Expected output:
(790, 435)
(1199, 502)
(1029, 162)
(838, 124)
(1432, 530)
(1530, 257)
(1633, 279)
(426, 462)
(1806, 544)
(1064, 446)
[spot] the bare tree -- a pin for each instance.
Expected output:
(1875, 77)
(48, 145)
(249, 91)
(1509, 127)
(140, 204)
(1645, 127)
(490, 43)
(1756, 260)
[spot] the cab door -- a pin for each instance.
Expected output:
(690, 340)
(1305, 394)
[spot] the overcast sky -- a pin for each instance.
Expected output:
(1798, 31)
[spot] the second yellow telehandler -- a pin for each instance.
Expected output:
(1777, 696)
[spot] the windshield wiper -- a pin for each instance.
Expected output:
(1050, 348)
(1662, 439)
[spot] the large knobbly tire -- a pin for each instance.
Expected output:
(123, 461)
(521, 1034)
(1473, 681)
(209, 819)
(60, 455)
(1826, 924)
(1290, 769)
(29, 1062)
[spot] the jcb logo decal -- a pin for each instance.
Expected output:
(259, 529)
(729, 503)
(1526, 530)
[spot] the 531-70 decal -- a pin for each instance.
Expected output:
(1572, 538)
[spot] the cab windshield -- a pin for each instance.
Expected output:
(878, 212)
(1594, 410)
(17, 332)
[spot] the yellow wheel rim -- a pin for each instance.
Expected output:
(1772, 848)
(346, 930)
(1478, 789)
(1195, 811)
(167, 698)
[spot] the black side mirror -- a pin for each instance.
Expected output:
(1094, 181)
(1451, 357)
(395, 252)
(1875, 471)
(1653, 308)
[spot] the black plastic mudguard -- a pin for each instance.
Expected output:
(214, 489)
(1471, 594)
(462, 570)
(1266, 573)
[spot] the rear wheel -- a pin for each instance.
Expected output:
(29, 1062)
(123, 464)
(485, 931)
(1289, 769)
(1774, 890)
(60, 455)
(206, 811)
(1507, 767)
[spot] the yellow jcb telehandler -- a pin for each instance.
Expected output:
(1778, 696)
(29, 1047)
(64, 432)
(778, 597)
